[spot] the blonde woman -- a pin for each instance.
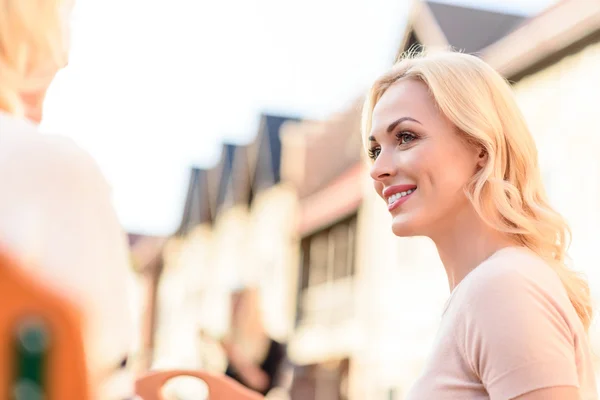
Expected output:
(453, 160)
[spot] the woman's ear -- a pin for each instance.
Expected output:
(482, 157)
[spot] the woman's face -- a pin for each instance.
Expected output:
(420, 163)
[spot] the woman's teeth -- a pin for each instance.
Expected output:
(393, 198)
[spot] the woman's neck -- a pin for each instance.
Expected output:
(31, 108)
(34, 105)
(466, 243)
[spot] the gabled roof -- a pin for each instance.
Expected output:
(248, 169)
(235, 186)
(198, 208)
(560, 30)
(242, 170)
(466, 29)
(241, 176)
(265, 153)
(225, 193)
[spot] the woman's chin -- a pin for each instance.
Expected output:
(402, 229)
(405, 225)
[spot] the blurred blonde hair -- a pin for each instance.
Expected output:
(32, 41)
(508, 193)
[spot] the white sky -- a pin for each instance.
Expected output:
(154, 86)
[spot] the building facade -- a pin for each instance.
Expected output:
(237, 230)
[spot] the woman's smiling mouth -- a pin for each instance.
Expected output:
(397, 195)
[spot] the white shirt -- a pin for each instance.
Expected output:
(56, 216)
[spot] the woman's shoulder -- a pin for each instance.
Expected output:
(22, 136)
(512, 265)
(512, 272)
(25, 150)
(513, 323)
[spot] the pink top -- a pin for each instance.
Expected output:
(508, 329)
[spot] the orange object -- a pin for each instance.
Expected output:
(149, 386)
(62, 369)
(220, 387)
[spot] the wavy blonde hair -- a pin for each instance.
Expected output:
(508, 192)
(32, 41)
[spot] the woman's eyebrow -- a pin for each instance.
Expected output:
(394, 124)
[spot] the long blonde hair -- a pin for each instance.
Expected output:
(32, 40)
(508, 193)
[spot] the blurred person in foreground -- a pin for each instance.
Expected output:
(56, 216)
(453, 159)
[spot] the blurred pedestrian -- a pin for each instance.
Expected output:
(253, 357)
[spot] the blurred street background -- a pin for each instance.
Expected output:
(230, 133)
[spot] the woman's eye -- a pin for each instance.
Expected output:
(405, 137)
(402, 138)
(374, 153)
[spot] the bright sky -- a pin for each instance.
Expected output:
(154, 86)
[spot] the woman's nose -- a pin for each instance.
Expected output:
(382, 168)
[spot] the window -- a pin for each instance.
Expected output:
(318, 257)
(343, 249)
(329, 254)
(327, 268)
